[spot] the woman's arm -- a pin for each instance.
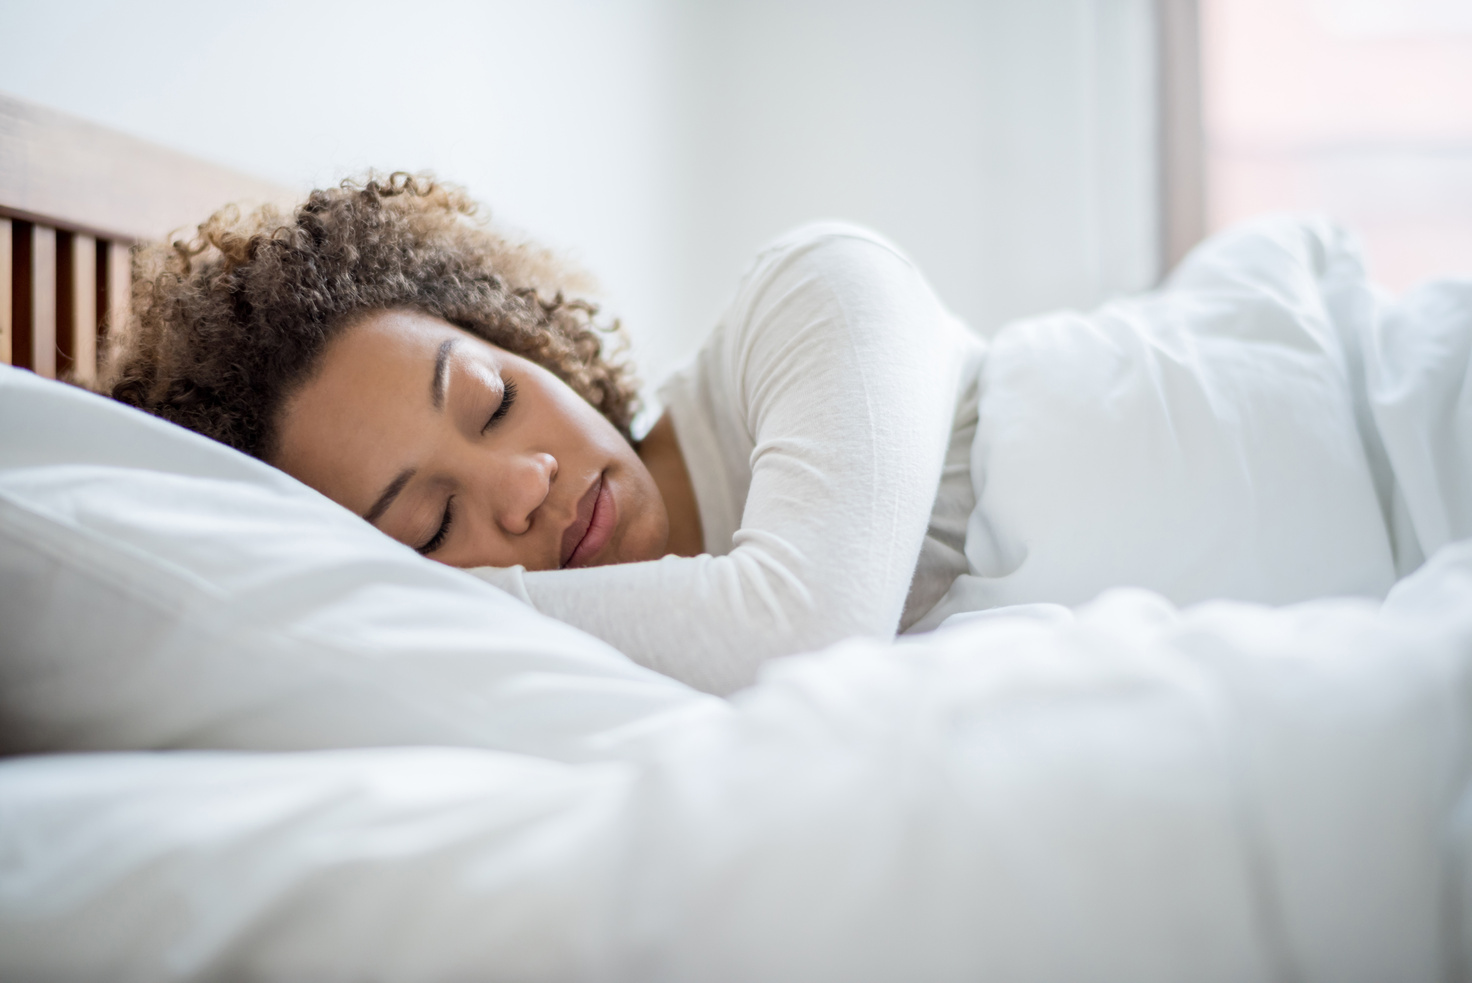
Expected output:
(836, 370)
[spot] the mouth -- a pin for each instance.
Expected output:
(591, 528)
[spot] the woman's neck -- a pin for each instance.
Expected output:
(660, 452)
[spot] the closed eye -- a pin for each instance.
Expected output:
(441, 534)
(508, 396)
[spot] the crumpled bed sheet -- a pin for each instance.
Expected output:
(1230, 793)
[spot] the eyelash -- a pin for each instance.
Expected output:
(508, 396)
(438, 539)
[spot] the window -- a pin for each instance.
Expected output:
(1358, 108)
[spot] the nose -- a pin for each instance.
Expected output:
(525, 483)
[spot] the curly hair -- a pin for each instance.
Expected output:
(227, 326)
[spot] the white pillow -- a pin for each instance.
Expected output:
(1208, 440)
(160, 590)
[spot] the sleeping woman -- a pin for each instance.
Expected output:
(807, 481)
(842, 457)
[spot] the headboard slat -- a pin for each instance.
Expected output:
(76, 306)
(43, 301)
(84, 309)
(118, 287)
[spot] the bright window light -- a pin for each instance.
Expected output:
(1358, 108)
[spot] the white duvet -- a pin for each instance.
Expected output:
(1134, 791)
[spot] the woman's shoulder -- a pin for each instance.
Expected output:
(815, 233)
(810, 274)
(825, 243)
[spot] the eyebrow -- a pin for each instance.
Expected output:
(441, 373)
(389, 494)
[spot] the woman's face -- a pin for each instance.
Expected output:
(466, 452)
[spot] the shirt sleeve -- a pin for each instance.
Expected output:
(842, 368)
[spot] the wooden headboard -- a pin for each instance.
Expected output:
(74, 197)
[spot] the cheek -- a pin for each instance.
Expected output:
(646, 531)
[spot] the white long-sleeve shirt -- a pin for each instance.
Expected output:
(826, 425)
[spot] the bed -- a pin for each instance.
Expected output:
(247, 737)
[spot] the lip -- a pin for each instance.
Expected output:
(593, 526)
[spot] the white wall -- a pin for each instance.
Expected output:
(1007, 145)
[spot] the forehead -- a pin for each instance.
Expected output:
(382, 360)
(394, 350)
(390, 336)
